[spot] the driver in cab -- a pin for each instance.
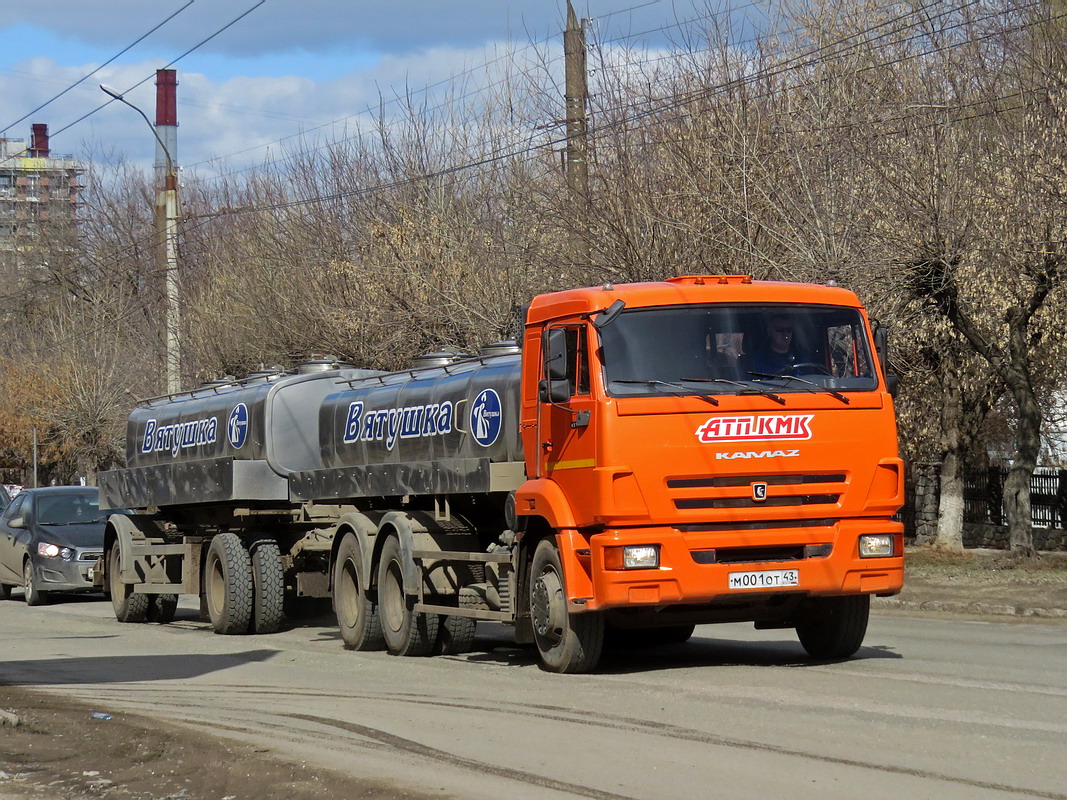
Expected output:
(776, 354)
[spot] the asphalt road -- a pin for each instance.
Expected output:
(930, 708)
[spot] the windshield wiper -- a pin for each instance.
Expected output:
(681, 391)
(816, 388)
(745, 388)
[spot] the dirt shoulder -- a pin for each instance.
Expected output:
(984, 583)
(57, 750)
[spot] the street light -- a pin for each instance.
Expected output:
(167, 226)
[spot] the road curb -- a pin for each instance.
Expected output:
(974, 608)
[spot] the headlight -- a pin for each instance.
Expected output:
(638, 556)
(876, 545)
(49, 550)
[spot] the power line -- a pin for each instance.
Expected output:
(452, 79)
(89, 75)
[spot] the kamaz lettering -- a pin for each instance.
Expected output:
(759, 454)
(752, 428)
(179, 436)
(389, 424)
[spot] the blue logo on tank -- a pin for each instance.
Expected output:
(486, 417)
(237, 426)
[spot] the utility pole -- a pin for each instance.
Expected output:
(577, 165)
(167, 214)
(166, 210)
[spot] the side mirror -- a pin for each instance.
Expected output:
(554, 391)
(892, 384)
(18, 522)
(881, 345)
(556, 355)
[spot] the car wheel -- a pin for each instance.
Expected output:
(33, 595)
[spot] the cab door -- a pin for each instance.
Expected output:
(568, 419)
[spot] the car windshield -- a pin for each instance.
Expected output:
(718, 349)
(69, 509)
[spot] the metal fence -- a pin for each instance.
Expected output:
(983, 496)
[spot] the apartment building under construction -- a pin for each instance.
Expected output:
(39, 194)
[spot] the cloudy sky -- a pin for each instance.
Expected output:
(272, 73)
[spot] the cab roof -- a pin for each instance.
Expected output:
(685, 290)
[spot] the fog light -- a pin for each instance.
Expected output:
(641, 556)
(876, 545)
(638, 556)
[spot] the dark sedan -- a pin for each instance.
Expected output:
(50, 538)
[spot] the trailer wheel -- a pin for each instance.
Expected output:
(357, 613)
(228, 585)
(455, 635)
(129, 607)
(566, 642)
(834, 627)
(268, 586)
(406, 632)
(161, 608)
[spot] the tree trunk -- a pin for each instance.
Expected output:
(950, 508)
(1017, 485)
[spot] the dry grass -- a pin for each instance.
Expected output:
(985, 566)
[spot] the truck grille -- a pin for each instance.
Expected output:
(733, 491)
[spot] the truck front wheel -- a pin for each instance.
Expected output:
(357, 613)
(129, 607)
(406, 632)
(566, 642)
(228, 584)
(834, 627)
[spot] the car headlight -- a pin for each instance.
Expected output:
(49, 550)
(876, 545)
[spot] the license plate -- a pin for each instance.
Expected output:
(768, 579)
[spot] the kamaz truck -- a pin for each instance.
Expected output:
(641, 459)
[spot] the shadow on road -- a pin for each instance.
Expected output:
(697, 652)
(122, 669)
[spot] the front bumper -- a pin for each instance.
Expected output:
(67, 575)
(681, 578)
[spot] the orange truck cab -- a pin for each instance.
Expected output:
(705, 449)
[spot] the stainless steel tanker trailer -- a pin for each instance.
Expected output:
(624, 468)
(248, 491)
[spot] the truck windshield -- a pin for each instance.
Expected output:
(740, 349)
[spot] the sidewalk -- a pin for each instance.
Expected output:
(981, 583)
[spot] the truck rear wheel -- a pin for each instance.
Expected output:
(406, 632)
(834, 627)
(455, 636)
(357, 613)
(268, 586)
(566, 642)
(129, 607)
(228, 585)
(161, 608)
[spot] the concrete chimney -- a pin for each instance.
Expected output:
(166, 121)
